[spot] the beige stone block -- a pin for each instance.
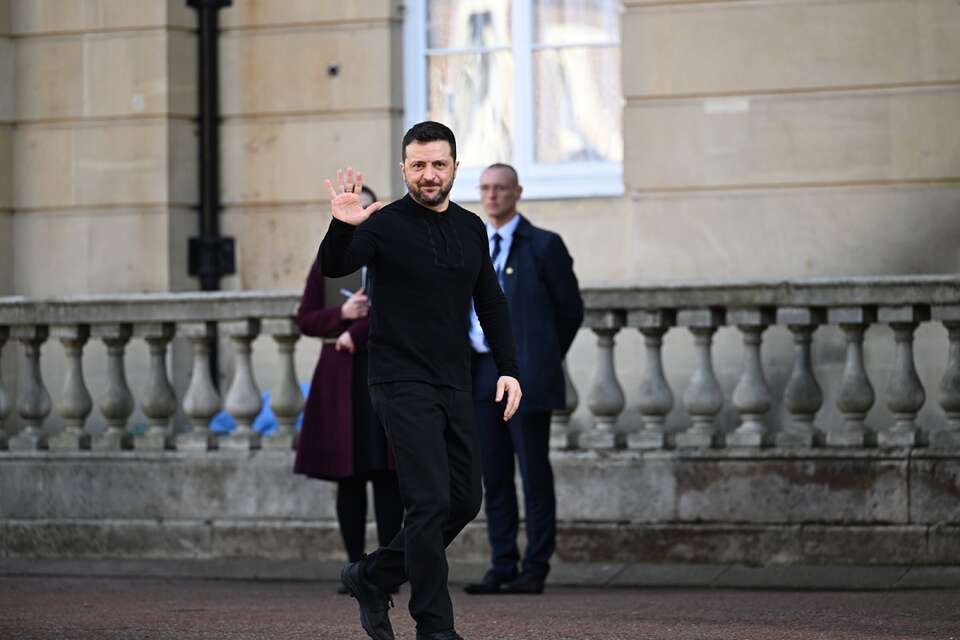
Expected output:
(183, 166)
(6, 253)
(182, 72)
(55, 16)
(261, 13)
(275, 246)
(181, 226)
(893, 135)
(287, 70)
(6, 167)
(795, 233)
(109, 251)
(5, 24)
(763, 46)
(84, 165)
(282, 160)
(100, 75)
(7, 80)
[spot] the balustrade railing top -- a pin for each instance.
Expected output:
(702, 308)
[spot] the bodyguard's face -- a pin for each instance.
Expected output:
(429, 170)
(499, 193)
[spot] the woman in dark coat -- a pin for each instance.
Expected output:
(341, 439)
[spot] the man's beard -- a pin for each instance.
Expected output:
(417, 194)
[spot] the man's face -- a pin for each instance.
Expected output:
(428, 171)
(499, 193)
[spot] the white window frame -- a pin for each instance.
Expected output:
(540, 181)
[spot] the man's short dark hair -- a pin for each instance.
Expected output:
(505, 167)
(428, 131)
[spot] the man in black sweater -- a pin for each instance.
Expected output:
(427, 259)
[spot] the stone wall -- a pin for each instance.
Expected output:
(776, 507)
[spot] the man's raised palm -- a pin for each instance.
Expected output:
(345, 203)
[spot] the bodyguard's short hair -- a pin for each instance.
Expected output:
(428, 131)
(506, 167)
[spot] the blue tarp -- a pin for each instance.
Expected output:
(265, 423)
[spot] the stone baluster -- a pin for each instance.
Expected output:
(905, 394)
(704, 397)
(802, 396)
(116, 402)
(159, 401)
(655, 398)
(5, 404)
(949, 436)
(33, 400)
(286, 401)
(606, 399)
(201, 401)
(562, 433)
(856, 395)
(75, 402)
(751, 396)
(243, 400)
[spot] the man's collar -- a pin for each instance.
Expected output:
(507, 230)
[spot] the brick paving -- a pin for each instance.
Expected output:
(78, 608)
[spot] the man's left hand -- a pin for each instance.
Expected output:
(510, 387)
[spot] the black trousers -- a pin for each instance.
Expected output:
(430, 430)
(526, 438)
(352, 510)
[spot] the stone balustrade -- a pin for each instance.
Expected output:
(698, 310)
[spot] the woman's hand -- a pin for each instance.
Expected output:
(356, 306)
(345, 343)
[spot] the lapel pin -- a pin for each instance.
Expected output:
(509, 271)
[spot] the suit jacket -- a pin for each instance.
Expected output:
(545, 312)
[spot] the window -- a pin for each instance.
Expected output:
(535, 83)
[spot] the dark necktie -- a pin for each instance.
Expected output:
(496, 247)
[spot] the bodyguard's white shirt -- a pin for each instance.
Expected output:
(477, 341)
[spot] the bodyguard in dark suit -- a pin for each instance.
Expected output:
(536, 274)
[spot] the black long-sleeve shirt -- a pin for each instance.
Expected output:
(424, 268)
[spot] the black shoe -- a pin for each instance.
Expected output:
(489, 585)
(449, 634)
(526, 584)
(374, 603)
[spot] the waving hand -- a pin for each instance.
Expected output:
(345, 204)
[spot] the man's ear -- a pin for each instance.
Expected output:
(519, 192)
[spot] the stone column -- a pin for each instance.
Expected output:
(116, 402)
(656, 398)
(75, 402)
(751, 396)
(286, 401)
(562, 433)
(5, 404)
(802, 396)
(905, 394)
(243, 400)
(856, 394)
(606, 399)
(201, 401)
(703, 398)
(33, 400)
(949, 436)
(159, 401)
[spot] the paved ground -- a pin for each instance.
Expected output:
(78, 608)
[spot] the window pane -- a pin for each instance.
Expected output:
(472, 94)
(578, 105)
(560, 22)
(459, 24)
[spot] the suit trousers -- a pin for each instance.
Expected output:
(430, 429)
(526, 439)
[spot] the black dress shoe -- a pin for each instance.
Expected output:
(489, 585)
(449, 634)
(525, 584)
(374, 602)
